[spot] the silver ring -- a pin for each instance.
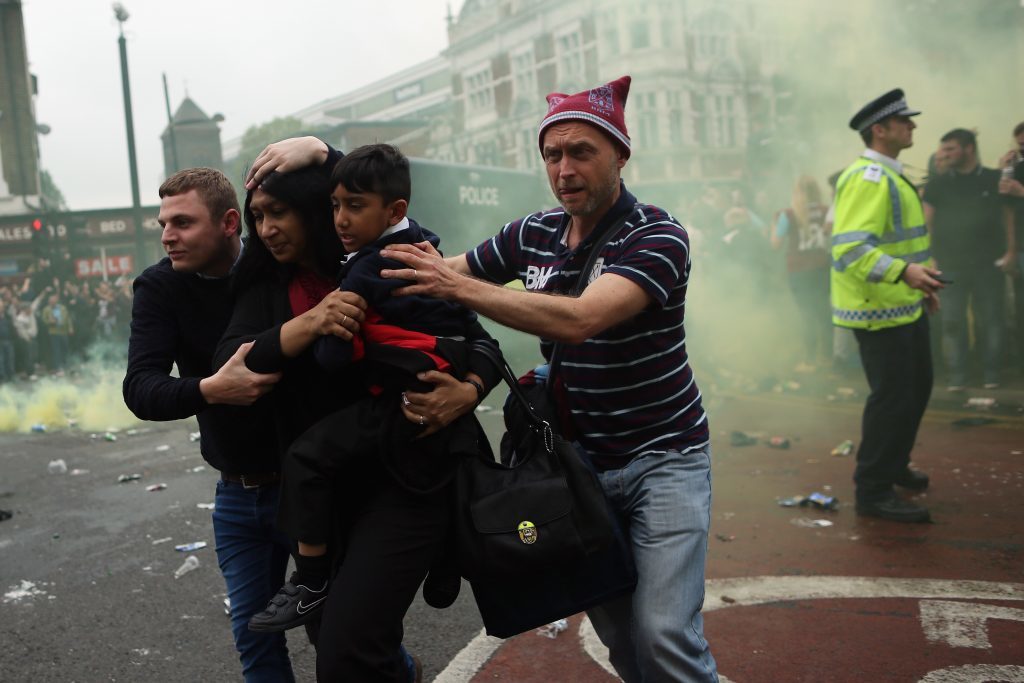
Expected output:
(423, 420)
(415, 274)
(343, 318)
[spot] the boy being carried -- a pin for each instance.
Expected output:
(401, 336)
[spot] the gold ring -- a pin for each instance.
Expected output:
(415, 274)
(343, 318)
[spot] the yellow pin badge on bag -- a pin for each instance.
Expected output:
(527, 533)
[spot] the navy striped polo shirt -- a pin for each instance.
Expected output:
(631, 390)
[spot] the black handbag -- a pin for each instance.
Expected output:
(544, 508)
(537, 539)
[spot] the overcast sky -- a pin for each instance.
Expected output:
(250, 61)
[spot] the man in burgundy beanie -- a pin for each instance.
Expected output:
(624, 377)
(635, 409)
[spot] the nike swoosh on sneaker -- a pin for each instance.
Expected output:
(302, 609)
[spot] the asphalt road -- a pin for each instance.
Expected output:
(101, 602)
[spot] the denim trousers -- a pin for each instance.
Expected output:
(253, 557)
(985, 288)
(657, 633)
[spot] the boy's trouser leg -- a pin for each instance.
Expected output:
(323, 457)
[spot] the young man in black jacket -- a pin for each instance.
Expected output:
(181, 307)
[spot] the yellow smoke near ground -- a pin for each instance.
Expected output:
(90, 400)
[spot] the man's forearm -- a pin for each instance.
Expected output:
(607, 301)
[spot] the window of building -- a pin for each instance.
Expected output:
(675, 117)
(569, 53)
(529, 152)
(610, 41)
(479, 89)
(639, 35)
(524, 75)
(713, 36)
(725, 114)
(647, 133)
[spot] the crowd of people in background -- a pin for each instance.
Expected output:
(51, 318)
(755, 243)
(753, 250)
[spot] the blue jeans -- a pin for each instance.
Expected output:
(657, 634)
(58, 351)
(986, 289)
(253, 557)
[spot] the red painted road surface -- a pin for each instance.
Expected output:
(862, 599)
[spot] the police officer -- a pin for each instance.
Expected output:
(882, 284)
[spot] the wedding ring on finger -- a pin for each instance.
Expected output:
(423, 420)
(343, 319)
(415, 274)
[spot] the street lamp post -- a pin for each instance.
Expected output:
(121, 14)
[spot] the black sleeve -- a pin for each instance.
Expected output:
(149, 390)
(332, 353)
(479, 363)
(253, 319)
(363, 278)
(333, 156)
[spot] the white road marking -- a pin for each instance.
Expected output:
(470, 659)
(977, 673)
(759, 590)
(962, 624)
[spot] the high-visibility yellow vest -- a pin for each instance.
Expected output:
(879, 228)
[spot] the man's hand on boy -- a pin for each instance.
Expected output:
(429, 274)
(284, 156)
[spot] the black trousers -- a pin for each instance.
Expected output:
(318, 470)
(392, 539)
(898, 365)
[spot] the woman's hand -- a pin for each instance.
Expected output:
(339, 313)
(450, 400)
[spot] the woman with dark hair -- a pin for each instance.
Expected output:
(387, 537)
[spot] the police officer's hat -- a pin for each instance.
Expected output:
(892, 103)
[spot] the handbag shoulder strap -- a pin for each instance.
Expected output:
(493, 354)
(582, 280)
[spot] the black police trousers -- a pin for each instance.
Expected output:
(898, 365)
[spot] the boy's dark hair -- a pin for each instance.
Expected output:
(962, 136)
(377, 169)
(1018, 129)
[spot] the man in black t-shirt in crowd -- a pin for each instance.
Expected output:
(1013, 189)
(974, 245)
